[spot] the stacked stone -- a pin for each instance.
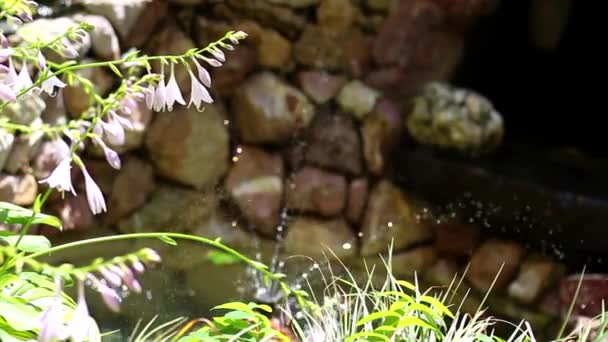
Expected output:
(307, 114)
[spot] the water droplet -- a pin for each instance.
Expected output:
(149, 295)
(390, 224)
(315, 266)
(360, 234)
(235, 159)
(279, 228)
(304, 275)
(346, 246)
(234, 223)
(239, 150)
(226, 122)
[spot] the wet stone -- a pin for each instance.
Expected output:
(313, 237)
(334, 143)
(320, 86)
(255, 183)
(487, 261)
(314, 190)
(358, 190)
(357, 98)
(535, 275)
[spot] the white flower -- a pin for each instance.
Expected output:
(111, 156)
(24, 81)
(48, 85)
(159, 96)
(149, 96)
(94, 196)
(173, 93)
(198, 93)
(60, 178)
(203, 74)
(51, 321)
(7, 93)
(82, 327)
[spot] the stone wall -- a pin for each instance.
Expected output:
(297, 146)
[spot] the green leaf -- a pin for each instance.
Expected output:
(115, 70)
(415, 321)
(239, 315)
(235, 306)
(365, 334)
(437, 305)
(406, 284)
(377, 315)
(14, 214)
(167, 240)
(29, 243)
(222, 258)
(263, 307)
(20, 316)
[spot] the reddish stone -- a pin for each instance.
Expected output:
(487, 261)
(396, 81)
(357, 54)
(381, 133)
(147, 22)
(455, 238)
(440, 52)
(255, 183)
(321, 86)
(535, 275)
(357, 199)
(334, 143)
(239, 63)
(74, 212)
(131, 189)
(396, 42)
(315, 190)
(593, 291)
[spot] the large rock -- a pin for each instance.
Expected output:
(24, 149)
(190, 147)
(268, 110)
(134, 21)
(104, 41)
(488, 260)
(455, 119)
(25, 110)
(358, 99)
(75, 97)
(314, 190)
(320, 86)
(334, 143)
(47, 30)
(591, 297)
(171, 209)
(454, 238)
(255, 183)
(20, 190)
(315, 238)
(274, 51)
(171, 40)
(283, 19)
(337, 15)
(397, 40)
(317, 48)
(131, 189)
(358, 191)
(74, 213)
(392, 216)
(535, 275)
(239, 64)
(381, 133)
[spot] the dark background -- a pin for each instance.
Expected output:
(552, 98)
